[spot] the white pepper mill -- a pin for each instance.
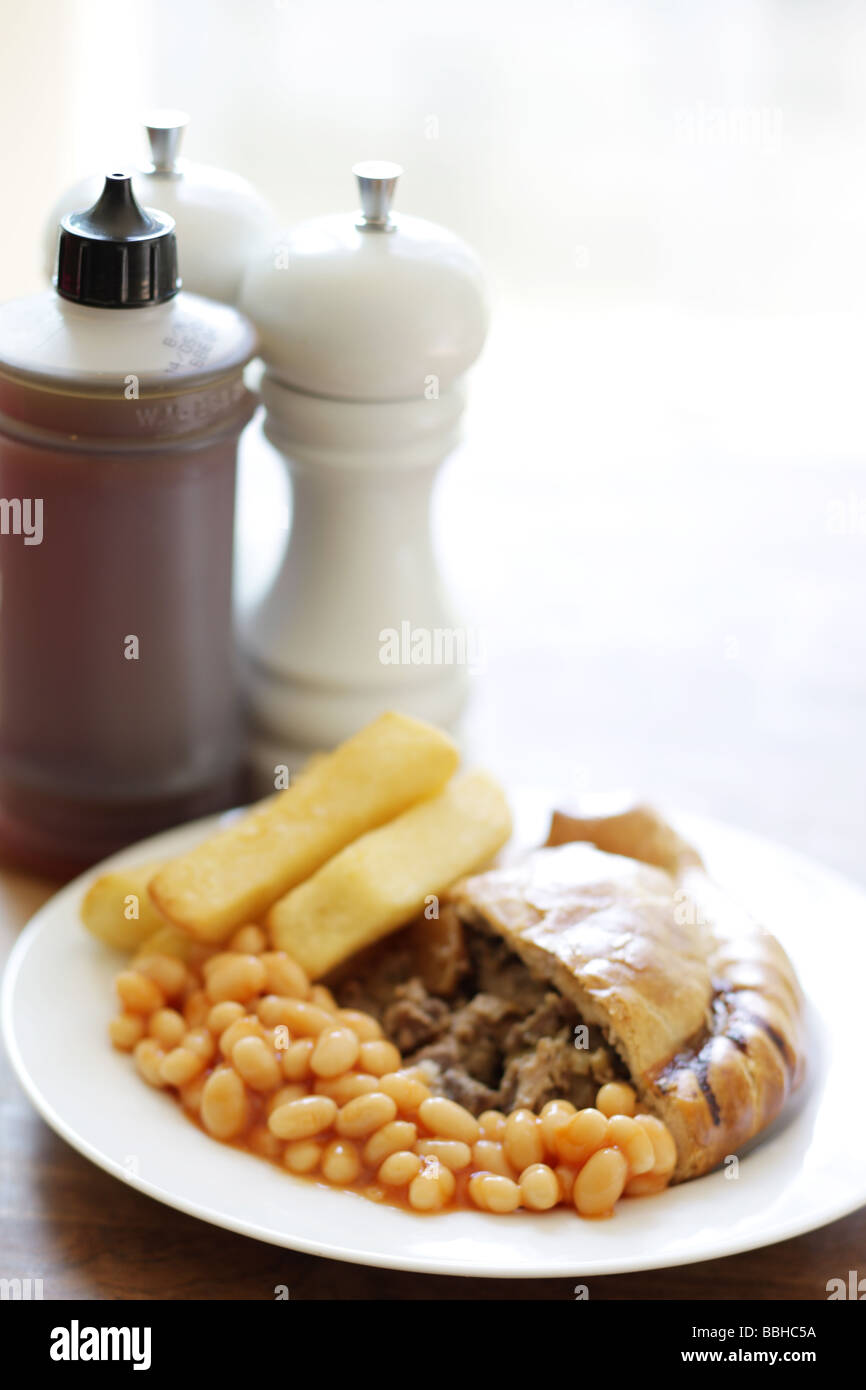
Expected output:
(367, 322)
(220, 217)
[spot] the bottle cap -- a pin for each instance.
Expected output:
(116, 254)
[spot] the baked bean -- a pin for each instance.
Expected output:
(492, 1192)
(447, 1119)
(447, 1180)
(359, 1118)
(539, 1188)
(600, 1182)
(126, 1030)
(365, 1027)
(399, 1168)
(270, 1011)
(191, 1094)
(404, 1090)
(453, 1153)
(565, 1176)
(399, 1134)
(295, 1060)
(257, 1066)
(224, 1109)
(432, 1187)
(616, 1098)
(425, 1072)
(294, 1091)
(645, 1185)
(168, 1027)
(249, 940)
(303, 1155)
(222, 1016)
(336, 1051)
(552, 1107)
(304, 1020)
(284, 976)
(235, 977)
(180, 1066)
(585, 1132)
(301, 1119)
(168, 972)
(379, 1057)
(246, 1027)
(323, 998)
(215, 960)
(523, 1142)
(138, 993)
(341, 1162)
(492, 1124)
(375, 1193)
(633, 1141)
(554, 1116)
(489, 1157)
(197, 1008)
(148, 1058)
(201, 1042)
(262, 1142)
(345, 1088)
(663, 1145)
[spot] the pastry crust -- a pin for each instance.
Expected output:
(701, 1002)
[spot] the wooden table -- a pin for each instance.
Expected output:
(661, 605)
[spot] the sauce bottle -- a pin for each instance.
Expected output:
(121, 403)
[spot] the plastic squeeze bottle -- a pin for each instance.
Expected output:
(121, 403)
(368, 322)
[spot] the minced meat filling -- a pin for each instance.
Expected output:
(490, 1035)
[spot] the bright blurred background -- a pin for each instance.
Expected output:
(658, 518)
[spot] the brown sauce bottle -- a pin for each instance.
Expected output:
(121, 404)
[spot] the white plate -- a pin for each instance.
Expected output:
(808, 1169)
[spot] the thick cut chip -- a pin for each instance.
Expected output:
(385, 878)
(171, 941)
(117, 907)
(234, 876)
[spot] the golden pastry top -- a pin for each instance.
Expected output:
(701, 1002)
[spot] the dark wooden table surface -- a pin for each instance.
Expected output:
(661, 606)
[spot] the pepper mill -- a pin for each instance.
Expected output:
(220, 218)
(367, 323)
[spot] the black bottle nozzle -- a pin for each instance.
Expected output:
(116, 254)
